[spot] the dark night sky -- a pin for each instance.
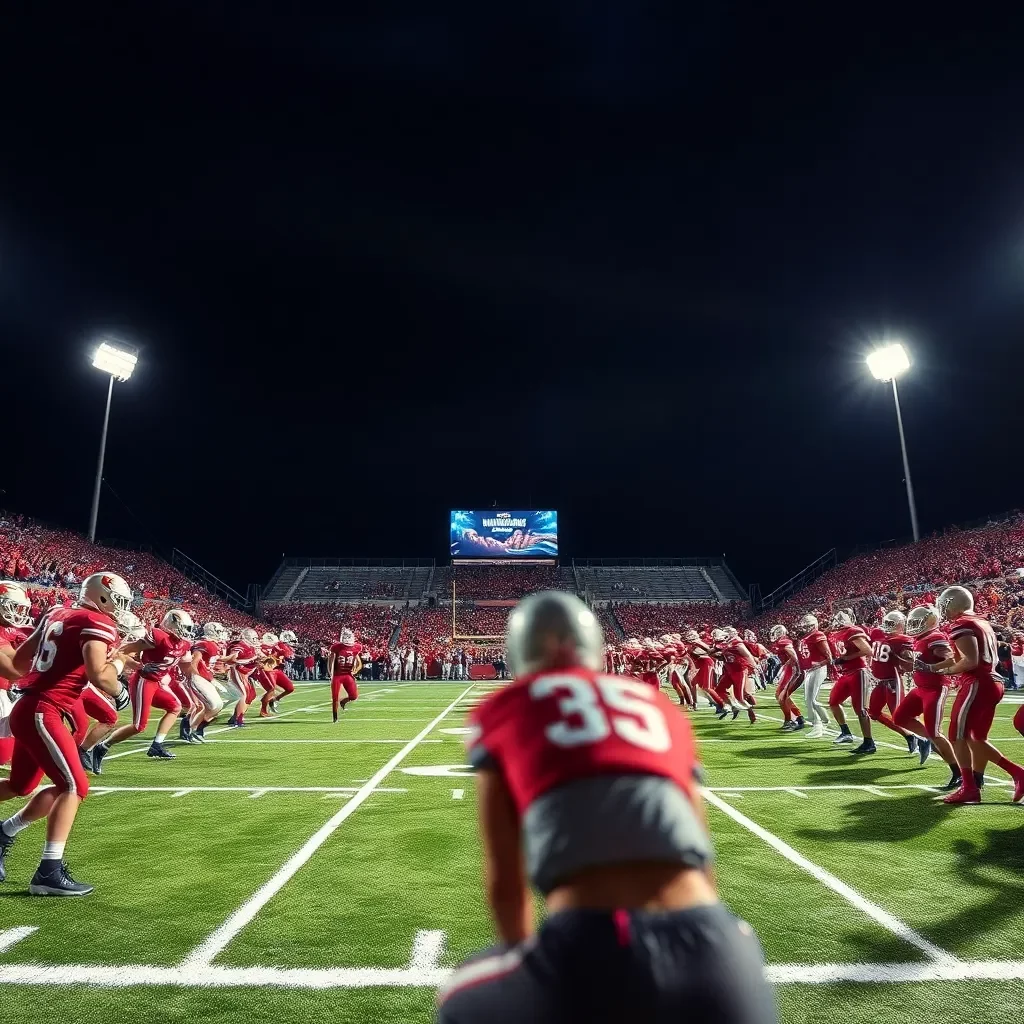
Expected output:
(619, 259)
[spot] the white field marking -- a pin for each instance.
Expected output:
(211, 976)
(426, 950)
(215, 943)
(865, 906)
(252, 790)
(441, 769)
(13, 935)
(212, 732)
(458, 794)
(876, 791)
(796, 792)
(181, 792)
(262, 743)
(256, 794)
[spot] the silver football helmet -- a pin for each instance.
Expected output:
(553, 629)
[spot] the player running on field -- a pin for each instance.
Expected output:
(49, 663)
(922, 708)
(343, 666)
(815, 656)
(973, 666)
(15, 628)
(889, 647)
(205, 653)
(791, 677)
(851, 650)
(587, 788)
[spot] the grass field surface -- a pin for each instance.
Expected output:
(298, 870)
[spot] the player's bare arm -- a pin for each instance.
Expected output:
(26, 653)
(507, 890)
(858, 647)
(100, 672)
(965, 657)
(7, 669)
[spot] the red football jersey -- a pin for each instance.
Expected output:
(165, 652)
(13, 636)
(282, 650)
(737, 656)
(556, 727)
(988, 658)
(210, 652)
(843, 638)
(63, 632)
(245, 660)
(813, 650)
(931, 647)
(757, 650)
(886, 650)
(345, 658)
(783, 649)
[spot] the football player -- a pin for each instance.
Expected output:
(922, 708)
(65, 640)
(791, 677)
(889, 647)
(205, 653)
(704, 664)
(160, 653)
(15, 628)
(284, 652)
(973, 665)
(851, 650)
(815, 657)
(587, 788)
(739, 664)
(240, 659)
(343, 666)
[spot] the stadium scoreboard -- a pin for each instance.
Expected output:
(501, 534)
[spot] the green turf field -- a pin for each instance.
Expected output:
(299, 870)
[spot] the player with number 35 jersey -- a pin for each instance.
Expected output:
(587, 786)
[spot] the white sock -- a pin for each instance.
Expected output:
(14, 824)
(159, 737)
(53, 851)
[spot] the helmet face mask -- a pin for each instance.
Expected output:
(840, 620)
(954, 602)
(777, 633)
(269, 640)
(807, 625)
(347, 637)
(894, 622)
(922, 619)
(250, 637)
(288, 637)
(213, 631)
(179, 623)
(106, 592)
(15, 607)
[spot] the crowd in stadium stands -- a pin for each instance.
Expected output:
(51, 563)
(655, 619)
(373, 590)
(428, 629)
(320, 623)
(480, 621)
(501, 582)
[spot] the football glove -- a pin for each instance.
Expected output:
(121, 699)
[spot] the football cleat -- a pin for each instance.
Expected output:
(924, 748)
(274, 707)
(232, 722)
(955, 782)
(735, 713)
(799, 724)
(867, 747)
(911, 743)
(265, 714)
(6, 842)
(963, 796)
(788, 726)
(196, 737)
(52, 878)
(722, 713)
(85, 756)
(817, 731)
(160, 751)
(98, 753)
(184, 729)
(843, 737)
(1018, 789)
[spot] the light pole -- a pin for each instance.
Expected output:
(886, 364)
(119, 362)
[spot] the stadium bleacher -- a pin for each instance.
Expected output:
(657, 583)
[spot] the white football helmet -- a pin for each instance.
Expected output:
(840, 620)
(269, 640)
(921, 619)
(807, 625)
(213, 631)
(719, 636)
(15, 607)
(289, 638)
(106, 592)
(732, 632)
(954, 602)
(777, 633)
(553, 629)
(179, 623)
(132, 628)
(691, 636)
(749, 636)
(347, 637)
(894, 622)
(250, 637)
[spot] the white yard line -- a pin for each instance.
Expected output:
(458, 794)
(261, 790)
(264, 742)
(12, 935)
(215, 943)
(854, 898)
(431, 976)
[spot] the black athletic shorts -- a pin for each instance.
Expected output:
(694, 966)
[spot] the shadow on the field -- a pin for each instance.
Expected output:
(875, 819)
(853, 773)
(993, 865)
(768, 753)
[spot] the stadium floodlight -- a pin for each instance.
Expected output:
(886, 363)
(118, 361)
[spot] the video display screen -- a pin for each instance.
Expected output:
(503, 534)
